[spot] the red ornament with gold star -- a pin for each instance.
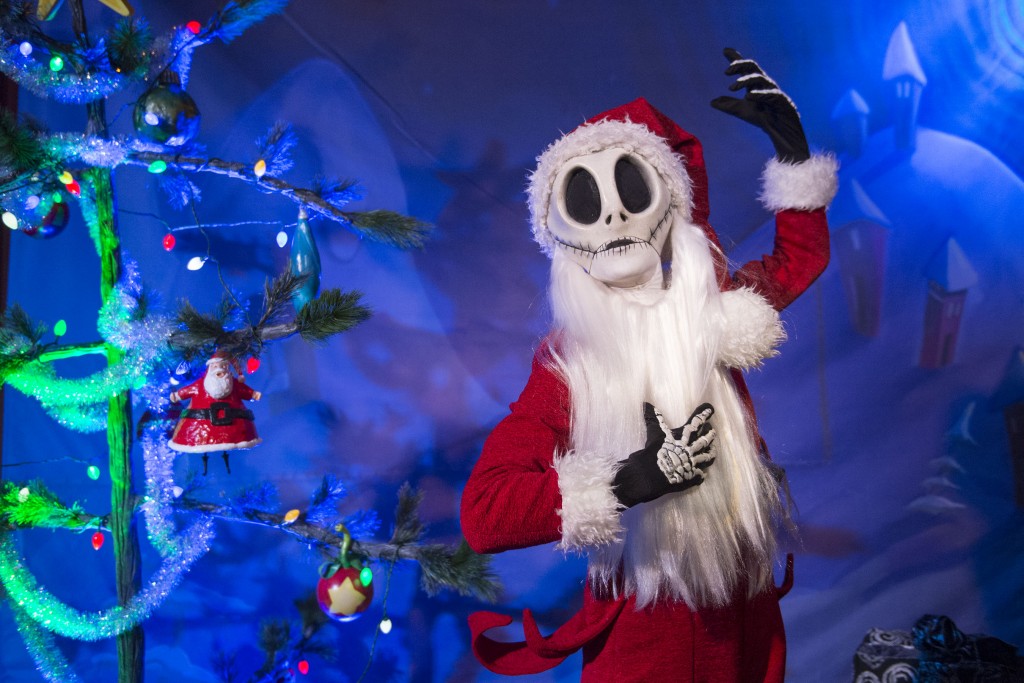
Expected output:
(345, 589)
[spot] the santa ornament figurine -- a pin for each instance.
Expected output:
(216, 419)
(634, 441)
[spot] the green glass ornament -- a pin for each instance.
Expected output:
(166, 113)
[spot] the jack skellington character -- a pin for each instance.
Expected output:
(650, 330)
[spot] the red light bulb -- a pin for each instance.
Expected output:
(252, 365)
(169, 241)
(194, 27)
(97, 540)
(74, 188)
(303, 667)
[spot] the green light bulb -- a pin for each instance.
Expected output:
(158, 166)
(60, 329)
(56, 63)
(57, 198)
(93, 472)
(366, 576)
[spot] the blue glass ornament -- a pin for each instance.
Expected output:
(304, 260)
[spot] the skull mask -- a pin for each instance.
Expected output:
(609, 213)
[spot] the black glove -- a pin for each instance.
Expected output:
(672, 460)
(765, 106)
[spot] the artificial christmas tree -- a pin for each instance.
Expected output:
(47, 176)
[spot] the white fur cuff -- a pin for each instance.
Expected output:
(590, 511)
(751, 330)
(808, 185)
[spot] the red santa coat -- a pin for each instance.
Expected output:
(214, 424)
(511, 501)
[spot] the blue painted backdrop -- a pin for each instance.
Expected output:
(438, 109)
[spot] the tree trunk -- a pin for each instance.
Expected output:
(127, 558)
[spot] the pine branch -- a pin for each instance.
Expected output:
(330, 313)
(323, 504)
(275, 149)
(198, 331)
(277, 297)
(128, 42)
(390, 227)
(35, 506)
(20, 340)
(239, 15)
(20, 149)
(274, 637)
(461, 570)
(336, 192)
(408, 526)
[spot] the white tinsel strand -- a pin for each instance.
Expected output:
(158, 510)
(50, 662)
(117, 322)
(92, 151)
(53, 615)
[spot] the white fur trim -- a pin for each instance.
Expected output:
(808, 185)
(595, 137)
(590, 511)
(751, 330)
(211, 447)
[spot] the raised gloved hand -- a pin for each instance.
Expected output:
(672, 460)
(765, 106)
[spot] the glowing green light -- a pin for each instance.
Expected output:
(57, 198)
(56, 63)
(365, 576)
(93, 472)
(158, 166)
(60, 329)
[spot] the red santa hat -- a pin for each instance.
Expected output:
(639, 128)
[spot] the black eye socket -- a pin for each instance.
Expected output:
(582, 198)
(633, 190)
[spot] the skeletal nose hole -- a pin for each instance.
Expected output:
(622, 215)
(608, 220)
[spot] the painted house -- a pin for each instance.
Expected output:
(903, 70)
(1009, 397)
(850, 123)
(860, 241)
(949, 275)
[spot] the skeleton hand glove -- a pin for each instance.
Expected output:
(765, 106)
(672, 460)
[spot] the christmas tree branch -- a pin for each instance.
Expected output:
(387, 227)
(35, 506)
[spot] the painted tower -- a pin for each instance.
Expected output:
(859, 244)
(1009, 398)
(850, 122)
(949, 275)
(903, 70)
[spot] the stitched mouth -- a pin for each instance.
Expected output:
(622, 243)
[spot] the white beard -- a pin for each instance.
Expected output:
(617, 349)
(218, 387)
